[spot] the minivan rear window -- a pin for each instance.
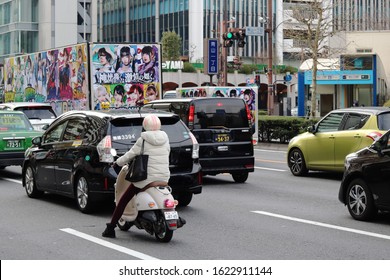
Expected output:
(214, 113)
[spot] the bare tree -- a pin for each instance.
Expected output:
(311, 33)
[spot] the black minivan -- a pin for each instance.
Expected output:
(222, 126)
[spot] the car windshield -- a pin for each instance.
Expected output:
(230, 113)
(384, 121)
(10, 121)
(38, 112)
(126, 131)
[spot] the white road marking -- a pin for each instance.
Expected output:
(107, 244)
(362, 232)
(12, 180)
(270, 169)
(271, 151)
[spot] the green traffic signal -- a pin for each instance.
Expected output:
(229, 35)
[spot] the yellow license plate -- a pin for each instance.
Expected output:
(222, 138)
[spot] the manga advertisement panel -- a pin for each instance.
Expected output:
(125, 75)
(56, 76)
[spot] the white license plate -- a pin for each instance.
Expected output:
(171, 215)
(14, 144)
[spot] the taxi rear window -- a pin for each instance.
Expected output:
(10, 121)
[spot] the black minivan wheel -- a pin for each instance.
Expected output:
(359, 200)
(240, 177)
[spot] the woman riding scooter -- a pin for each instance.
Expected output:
(157, 146)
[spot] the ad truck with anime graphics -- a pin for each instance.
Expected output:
(85, 76)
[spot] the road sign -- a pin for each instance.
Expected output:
(254, 31)
(212, 59)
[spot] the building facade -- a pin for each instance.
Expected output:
(31, 25)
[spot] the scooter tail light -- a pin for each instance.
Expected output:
(169, 203)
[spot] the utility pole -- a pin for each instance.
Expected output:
(269, 30)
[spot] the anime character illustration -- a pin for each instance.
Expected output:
(52, 70)
(233, 93)
(125, 60)
(141, 99)
(132, 95)
(65, 90)
(218, 93)
(249, 98)
(105, 59)
(151, 92)
(81, 82)
(149, 66)
(118, 92)
(101, 96)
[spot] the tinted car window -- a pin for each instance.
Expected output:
(74, 130)
(355, 121)
(38, 112)
(330, 123)
(10, 121)
(230, 113)
(54, 134)
(384, 121)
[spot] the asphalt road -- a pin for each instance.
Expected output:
(273, 216)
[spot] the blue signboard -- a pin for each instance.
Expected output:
(212, 66)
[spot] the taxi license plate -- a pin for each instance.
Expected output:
(14, 144)
(171, 215)
(222, 138)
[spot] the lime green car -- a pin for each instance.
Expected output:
(16, 133)
(326, 144)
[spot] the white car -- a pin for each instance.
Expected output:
(39, 114)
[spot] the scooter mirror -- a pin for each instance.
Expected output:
(113, 152)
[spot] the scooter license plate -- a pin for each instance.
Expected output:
(171, 215)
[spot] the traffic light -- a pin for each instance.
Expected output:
(241, 38)
(228, 38)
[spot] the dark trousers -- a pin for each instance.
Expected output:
(121, 205)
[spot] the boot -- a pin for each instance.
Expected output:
(109, 231)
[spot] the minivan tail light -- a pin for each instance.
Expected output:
(195, 146)
(104, 150)
(191, 117)
(374, 135)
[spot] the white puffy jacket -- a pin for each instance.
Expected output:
(157, 147)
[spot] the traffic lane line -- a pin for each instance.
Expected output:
(12, 180)
(109, 245)
(362, 232)
(270, 169)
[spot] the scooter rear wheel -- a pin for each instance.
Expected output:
(164, 234)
